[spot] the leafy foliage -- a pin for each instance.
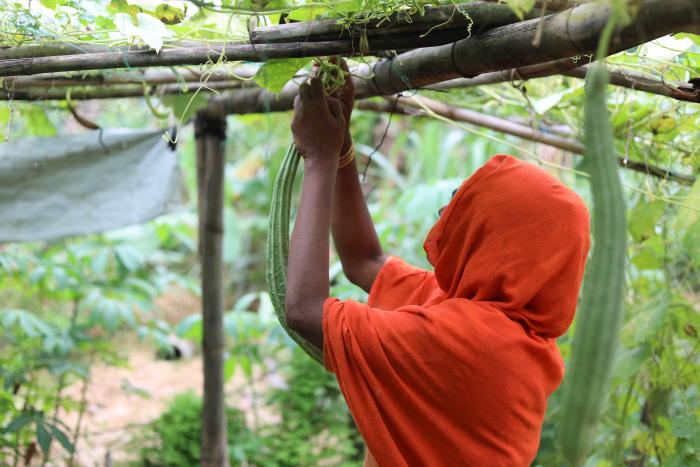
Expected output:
(173, 439)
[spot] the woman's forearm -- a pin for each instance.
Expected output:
(353, 230)
(307, 269)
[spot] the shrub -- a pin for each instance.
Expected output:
(174, 438)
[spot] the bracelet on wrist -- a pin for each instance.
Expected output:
(347, 158)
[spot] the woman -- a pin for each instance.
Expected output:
(445, 367)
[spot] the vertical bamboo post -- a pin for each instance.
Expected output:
(210, 133)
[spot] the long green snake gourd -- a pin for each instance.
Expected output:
(278, 245)
(600, 315)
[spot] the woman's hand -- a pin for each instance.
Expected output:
(318, 125)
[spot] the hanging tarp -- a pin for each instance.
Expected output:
(81, 184)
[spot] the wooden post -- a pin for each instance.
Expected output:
(210, 133)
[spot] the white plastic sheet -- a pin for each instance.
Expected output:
(81, 184)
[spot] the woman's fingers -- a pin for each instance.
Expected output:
(317, 89)
(305, 92)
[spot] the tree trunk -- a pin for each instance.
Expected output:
(210, 134)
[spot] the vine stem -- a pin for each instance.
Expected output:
(81, 413)
(617, 451)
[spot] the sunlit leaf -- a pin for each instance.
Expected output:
(229, 368)
(169, 14)
(145, 27)
(190, 327)
(690, 211)
(274, 74)
(643, 219)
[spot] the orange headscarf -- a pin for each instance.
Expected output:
(454, 367)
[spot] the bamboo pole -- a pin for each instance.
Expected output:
(624, 78)
(567, 34)
(414, 107)
(148, 76)
(52, 49)
(215, 54)
(641, 81)
(514, 74)
(214, 451)
(570, 33)
(479, 16)
(476, 16)
(552, 5)
(31, 87)
(116, 91)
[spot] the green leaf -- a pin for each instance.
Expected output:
(184, 106)
(49, 4)
(307, 13)
(686, 35)
(43, 437)
(61, 438)
(19, 423)
(650, 255)
(690, 212)
(628, 362)
(190, 327)
(274, 74)
(169, 14)
(129, 257)
(643, 219)
(37, 122)
(229, 368)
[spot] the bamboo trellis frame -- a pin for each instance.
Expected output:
(406, 71)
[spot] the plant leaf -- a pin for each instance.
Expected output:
(43, 437)
(274, 74)
(62, 438)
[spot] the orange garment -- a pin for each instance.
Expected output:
(454, 367)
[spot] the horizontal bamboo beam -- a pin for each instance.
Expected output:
(478, 16)
(570, 33)
(482, 16)
(415, 107)
(55, 48)
(641, 81)
(148, 76)
(265, 44)
(624, 78)
(232, 52)
(115, 91)
(552, 5)
(567, 34)
(538, 70)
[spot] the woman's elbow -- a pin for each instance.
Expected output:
(292, 315)
(302, 316)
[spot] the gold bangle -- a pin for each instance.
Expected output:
(347, 158)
